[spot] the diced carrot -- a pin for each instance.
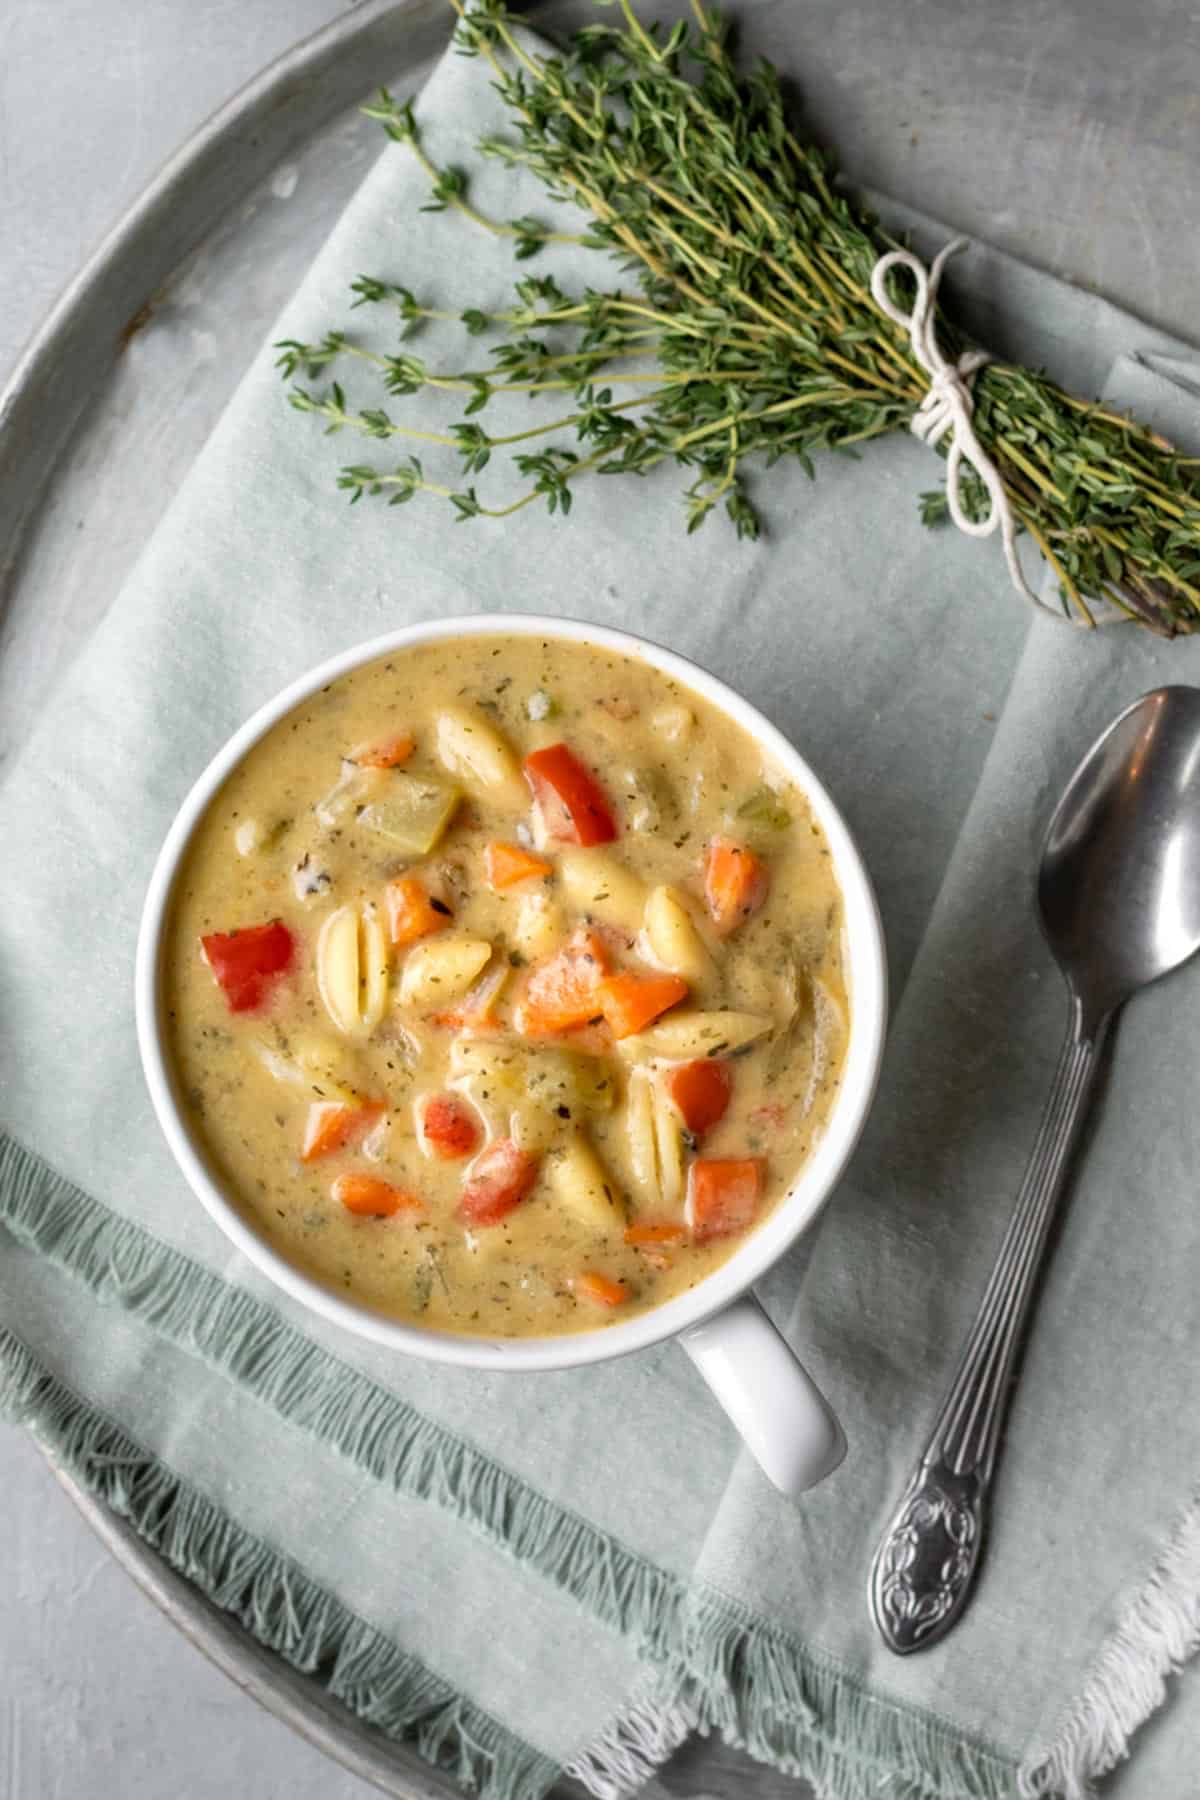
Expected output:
(388, 753)
(600, 1289)
(631, 1002)
(642, 1235)
(448, 1127)
(247, 962)
(723, 1197)
(507, 864)
(372, 1198)
(565, 991)
(701, 1092)
(572, 803)
(501, 1177)
(411, 913)
(735, 883)
(332, 1124)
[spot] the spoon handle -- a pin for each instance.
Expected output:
(928, 1555)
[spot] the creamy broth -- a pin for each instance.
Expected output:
(472, 1073)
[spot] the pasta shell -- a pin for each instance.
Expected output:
(352, 969)
(582, 1185)
(480, 756)
(442, 968)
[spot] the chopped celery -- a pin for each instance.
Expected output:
(412, 812)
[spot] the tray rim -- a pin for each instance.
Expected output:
(70, 359)
(61, 372)
(65, 364)
(262, 1675)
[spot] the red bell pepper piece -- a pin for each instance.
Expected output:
(501, 1177)
(573, 805)
(247, 963)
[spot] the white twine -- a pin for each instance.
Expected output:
(949, 404)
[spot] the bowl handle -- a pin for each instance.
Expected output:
(782, 1416)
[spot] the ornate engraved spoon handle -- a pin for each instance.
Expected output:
(927, 1557)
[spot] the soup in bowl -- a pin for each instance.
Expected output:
(511, 992)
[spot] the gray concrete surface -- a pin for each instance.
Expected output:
(1065, 130)
(100, 1699)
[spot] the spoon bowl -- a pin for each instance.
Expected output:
(1119, 885)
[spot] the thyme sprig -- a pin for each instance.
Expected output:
(744, 330)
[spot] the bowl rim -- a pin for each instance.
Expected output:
(793, 1214)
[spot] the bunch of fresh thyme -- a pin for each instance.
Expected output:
(747, 329)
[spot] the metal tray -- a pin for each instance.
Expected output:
(107, 409)
(144, 349)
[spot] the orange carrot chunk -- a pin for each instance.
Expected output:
(332, 1124)
(372, 1198)
(448, 1126)
(501, 1177)
(642, 1235)
(411, 913)
(631, 1002)
(506, 864)
(701, 1092)
(723, 1197)
(600, 1289)
(735, 883)
(565, 991)
(572, 803)
(388, 753)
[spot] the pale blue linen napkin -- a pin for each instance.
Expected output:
(576, 1569)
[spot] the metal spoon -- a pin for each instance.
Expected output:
(1119, 900)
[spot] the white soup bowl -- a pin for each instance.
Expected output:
(752, 1371)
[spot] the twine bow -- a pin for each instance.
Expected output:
(949, 404)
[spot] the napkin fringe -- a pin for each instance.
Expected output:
(268, 1594)
(720, 1667)
(1156, 1635)
(804, 1714)
(797, 1712)
(235, 1332)
(634, 1744)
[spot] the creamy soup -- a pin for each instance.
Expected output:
(505, 986)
